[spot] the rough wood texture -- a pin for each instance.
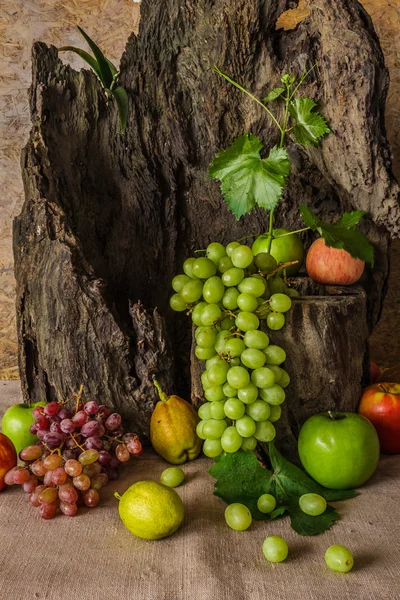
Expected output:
(108, 218)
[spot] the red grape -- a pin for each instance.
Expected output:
(68, 509)
(37, 412)
(99, 481)
(134, 446)
(104, 411)
(104, 457)
(51, 408)
(64, 413)
(91, 498)
(52, 462)
(90, 429)
(38, 468)
(48, 479)
(30, 485)
(81, 482)
(67, 493)
(33, 429)
(80, 418)
(88, 457)
(92, 470)
(54, 440)
(73, 441)
(21, 475)
(47, 511)
(30, 453)
(59, 476)
(122, 453)
(48, 495)
(94, 443)
(9, 476)
(34, 497)
(55, 427)
(67, 426)
(73, 467)
(42, 423)
(113, 421)
(91, 407)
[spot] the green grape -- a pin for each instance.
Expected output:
(275, 413)
(229, 391)
(238, 377)
(252, 285)
(213, 290)
(232, 277)
(217, 373)
(249, 444)
(220, 341)
(214, 394)
(230, 247)
(248, 394)
(215, 360)
(234, 408)
(242, 256)
(265, 431)
(204, 380)
(214, 428)
(217, 410)
(215, 252)
(312, 504)
(231, 440)
(204, 353)
(275, 321)
(265, 262)
(196, 314)
(187, 267)
(256, 339)
(203, 268)
(292, 293)
(263, 310)
(247, 302)
(172, 477)
(225, 264)
(238, 517)
(266, 503)
(263, 377)
(204, 411)
(212, 448)
(227, 323)
(246, 321)
(259, 411)
(192, 291)
(280, 302)
(210, 314)
(177, 303)
(199, 429)
(284, 379)
(235, 362)
(274, 395)
(275, 548)
(245, 426)
(339, 558)
(252, 269)
(276, 285)
(229, 299)
(275, 355)
(234, 347)
(252, 358)
(206, 338)
(179, 281)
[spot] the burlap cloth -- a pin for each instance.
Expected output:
(93, 557)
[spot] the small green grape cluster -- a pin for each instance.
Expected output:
(227, 292)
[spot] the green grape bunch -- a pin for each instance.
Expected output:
(227, 293)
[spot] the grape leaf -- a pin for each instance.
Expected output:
(247, 179)
(240, 478)
(310, 126)
(342, 234)
(274, 94)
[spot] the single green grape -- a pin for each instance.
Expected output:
(204, 380)
(254, 286)
(217, 373)
(232, 277)
(275, 355)
(215, 252)
(196, 313)
(275, 321)
(242, 256)
(179, 281)
(234, 347)
(265, 262)
(210, 315)
(245, 426)
(249, 444)
(252, 358)
(256, 339)
(206, 338)
(225, 264)
(276, 285)
(259, 411)
(192, 291)
(275, 548)
(265, 431)
(235, 362)
(213, 290)
(214, 394)
(238, 517)
(227, 323)
(234, 408)
(172, 477)
(246, 321)
(248, 394)
(203, 268)
(187, 267)
(280, 302)
(266, 503)
(204, 353)
(220, 341)
(238, 377)
(292, 293)
(231, 440)
(281, 376)
(217, 410)
(177, 303)
(274, 395)
(263, 377)
(247, 302)
(275, 413)
(312, 504)
(204, 411)
(229, 299)
(339, 558)
(199, 429)
(214, 428)
(229, 391)
(212, 448)
(214, 360)
(230, 247)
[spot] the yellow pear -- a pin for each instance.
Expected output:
(173, 429)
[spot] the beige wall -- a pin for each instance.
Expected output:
(110, 22)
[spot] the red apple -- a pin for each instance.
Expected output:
(8, 457)
(380, 404)
(374, 370)
(332, 266)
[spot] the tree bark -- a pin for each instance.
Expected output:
(108, 218)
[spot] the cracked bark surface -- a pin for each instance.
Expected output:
(108, 219)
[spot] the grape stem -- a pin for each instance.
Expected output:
(78, 398)
(279, 268)
(291, 232)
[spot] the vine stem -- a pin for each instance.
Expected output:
(292, 232)
(271, 224)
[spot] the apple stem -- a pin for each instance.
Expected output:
(117, 495)
(331, 415)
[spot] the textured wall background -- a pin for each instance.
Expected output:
(109, 23)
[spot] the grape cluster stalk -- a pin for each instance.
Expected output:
(79, 450)
(227, 293)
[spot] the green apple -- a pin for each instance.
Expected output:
(16, 422)
(283, 249)
(339, 450)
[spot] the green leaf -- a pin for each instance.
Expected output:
(274, 94)
(106, 75)
(92, 62)
(310, 126)
(309, 218)
(121, 98)
(247, 179)
(351, 219)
